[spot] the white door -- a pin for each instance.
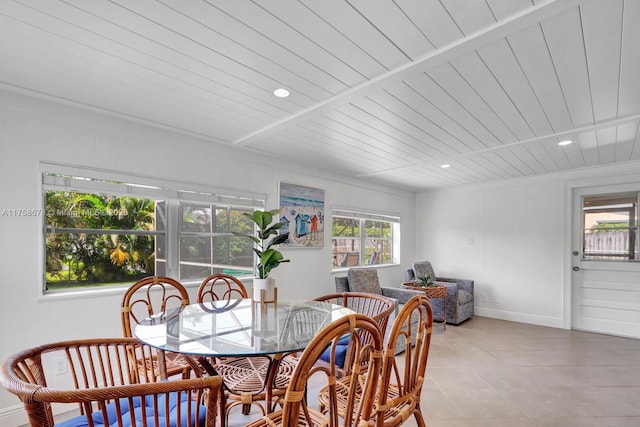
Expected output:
(606, 271)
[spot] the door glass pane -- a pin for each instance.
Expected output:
(610, 227)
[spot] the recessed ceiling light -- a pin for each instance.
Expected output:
(445, 166)
(566, 142)
(281, 92)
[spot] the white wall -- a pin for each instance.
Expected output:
(32, 131)
(513, 238)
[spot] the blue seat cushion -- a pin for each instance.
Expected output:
(341, 351)
(81, 421)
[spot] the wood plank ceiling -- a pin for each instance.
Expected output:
(386, 91)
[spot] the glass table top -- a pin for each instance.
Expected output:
(238, 327)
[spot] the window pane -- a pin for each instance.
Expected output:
(207, 244)
(346, 252)
(195, 217)
(610, 227)
(80, 259)
(92, 255)
(346, 227)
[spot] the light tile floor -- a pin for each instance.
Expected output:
(488, 372)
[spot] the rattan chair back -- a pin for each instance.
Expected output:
(296, 411)
(155, 296)
(221, 287)
(148, 297)
(375, 306)
(403, 376)
(105, 384)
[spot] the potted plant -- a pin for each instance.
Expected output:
(424, 281)
(267, 236)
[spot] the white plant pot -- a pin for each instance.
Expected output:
(269, 286)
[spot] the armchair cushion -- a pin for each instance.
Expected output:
(364, 280)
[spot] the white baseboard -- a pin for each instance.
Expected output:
(13, 416)
(551, 322)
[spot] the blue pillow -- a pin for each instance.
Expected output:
(341, 351)
(81, 421)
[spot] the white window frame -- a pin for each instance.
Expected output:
(363, 216)
(59, 177)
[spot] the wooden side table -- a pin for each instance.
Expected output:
(439, 291)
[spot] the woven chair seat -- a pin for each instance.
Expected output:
(245, 379)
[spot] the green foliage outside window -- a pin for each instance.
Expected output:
(97, 239)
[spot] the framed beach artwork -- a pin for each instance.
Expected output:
(302, 210)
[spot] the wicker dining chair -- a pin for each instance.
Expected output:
(368, 344)
(402, 377)
(106, 386)
(246, 380)
(154, 296)
(376, 306)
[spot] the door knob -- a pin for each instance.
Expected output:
(576, 268)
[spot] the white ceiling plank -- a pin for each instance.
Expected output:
(432, 19)
(395, 25)
(332, 133)
(470, 16)
(533, 56)
(344, 18)
(606, 145)
(280, 32)
(99, 78)
(523, 153)
(244, 44)
(518, 164)
(409, 119)
(504, 8)
(626, 135)
(308, 24)
(150, 72)
(476, 73)
(558, 153)
(564, 38)
(635, 153)
(499, 165)
(438, 97)
(575, 154)
(408, 143)
(602, 24)
(629, 96)
(504, 66)
(477, 168)
(537, 149)
(589, 145)
(171, 44)
(460, 139)
(458, 88)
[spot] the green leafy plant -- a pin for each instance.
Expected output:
(267, 236)
(425, 281)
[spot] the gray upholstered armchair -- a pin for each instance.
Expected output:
(459, 294)
(365, 279)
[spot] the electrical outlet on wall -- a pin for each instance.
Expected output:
(60, 366)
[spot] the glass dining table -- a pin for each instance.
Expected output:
(239, 328)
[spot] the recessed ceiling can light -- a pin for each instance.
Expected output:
(281, 92)
(566, 142)
(445, 166)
